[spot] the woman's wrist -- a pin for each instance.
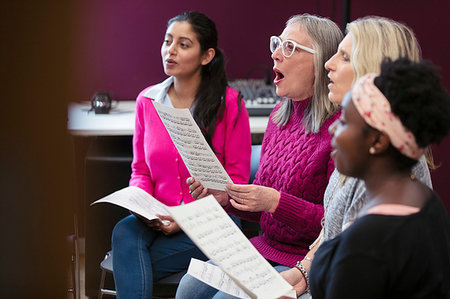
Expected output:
(304, 272)
(275, 200)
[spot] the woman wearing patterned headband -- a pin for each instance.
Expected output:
(360, 52)
(399, 246)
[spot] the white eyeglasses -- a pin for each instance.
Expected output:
(287, 47)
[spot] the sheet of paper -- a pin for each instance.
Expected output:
(198, 157)
(215, 277)
(137, 200)
(213, 231)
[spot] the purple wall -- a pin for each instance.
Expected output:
(118, 42)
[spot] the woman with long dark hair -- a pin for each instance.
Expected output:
(146, 251)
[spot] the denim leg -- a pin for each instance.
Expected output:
(133, 276)
(173, 253)
(192, 288)
(143, 256)
(281, 268)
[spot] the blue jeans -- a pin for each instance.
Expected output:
(192, 288)
(142, 256)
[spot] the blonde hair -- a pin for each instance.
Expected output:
(376, 38)
(325, 37)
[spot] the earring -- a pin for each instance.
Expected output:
(372, 150)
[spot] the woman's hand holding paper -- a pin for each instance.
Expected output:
(198, 191)
(164, 224)
(167, 229)
(253, 198)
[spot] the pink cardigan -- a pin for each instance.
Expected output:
(157, 166)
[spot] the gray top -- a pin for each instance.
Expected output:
(343, 202)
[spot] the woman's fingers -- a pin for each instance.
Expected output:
(199, 192)
(242, 191)
(239, 206)
(239, 188)
(196, 188)
(194, 185)
(203, 193)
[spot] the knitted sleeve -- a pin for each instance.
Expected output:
(305, 214)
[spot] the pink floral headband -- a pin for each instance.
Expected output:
(376, 111)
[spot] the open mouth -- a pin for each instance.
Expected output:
(331, 82)
(278, 76)
(170, 61)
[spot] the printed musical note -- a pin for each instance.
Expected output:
(213, 231)
(198, 157)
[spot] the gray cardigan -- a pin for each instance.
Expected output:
(343, 202)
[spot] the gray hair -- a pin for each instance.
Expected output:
(325, 37)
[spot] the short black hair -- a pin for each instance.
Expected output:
(416, 96)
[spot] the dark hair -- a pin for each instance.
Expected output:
(210, 98)
(418, 99)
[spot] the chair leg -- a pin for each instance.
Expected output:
(77, 270)
(102, 284)
(74, 278)
(75, 256)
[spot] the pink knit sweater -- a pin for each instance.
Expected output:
(157, 166)
(298, 165)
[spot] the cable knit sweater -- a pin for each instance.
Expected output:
(298, 165)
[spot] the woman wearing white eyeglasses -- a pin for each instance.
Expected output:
(286, 197)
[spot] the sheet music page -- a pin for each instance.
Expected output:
(215, 277)
(198, 157)
(137, 200)
(213, 231)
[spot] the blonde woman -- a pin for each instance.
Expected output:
(368, 41)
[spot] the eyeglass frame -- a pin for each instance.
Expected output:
(307, 49)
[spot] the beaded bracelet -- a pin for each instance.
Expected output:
(305, 274)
